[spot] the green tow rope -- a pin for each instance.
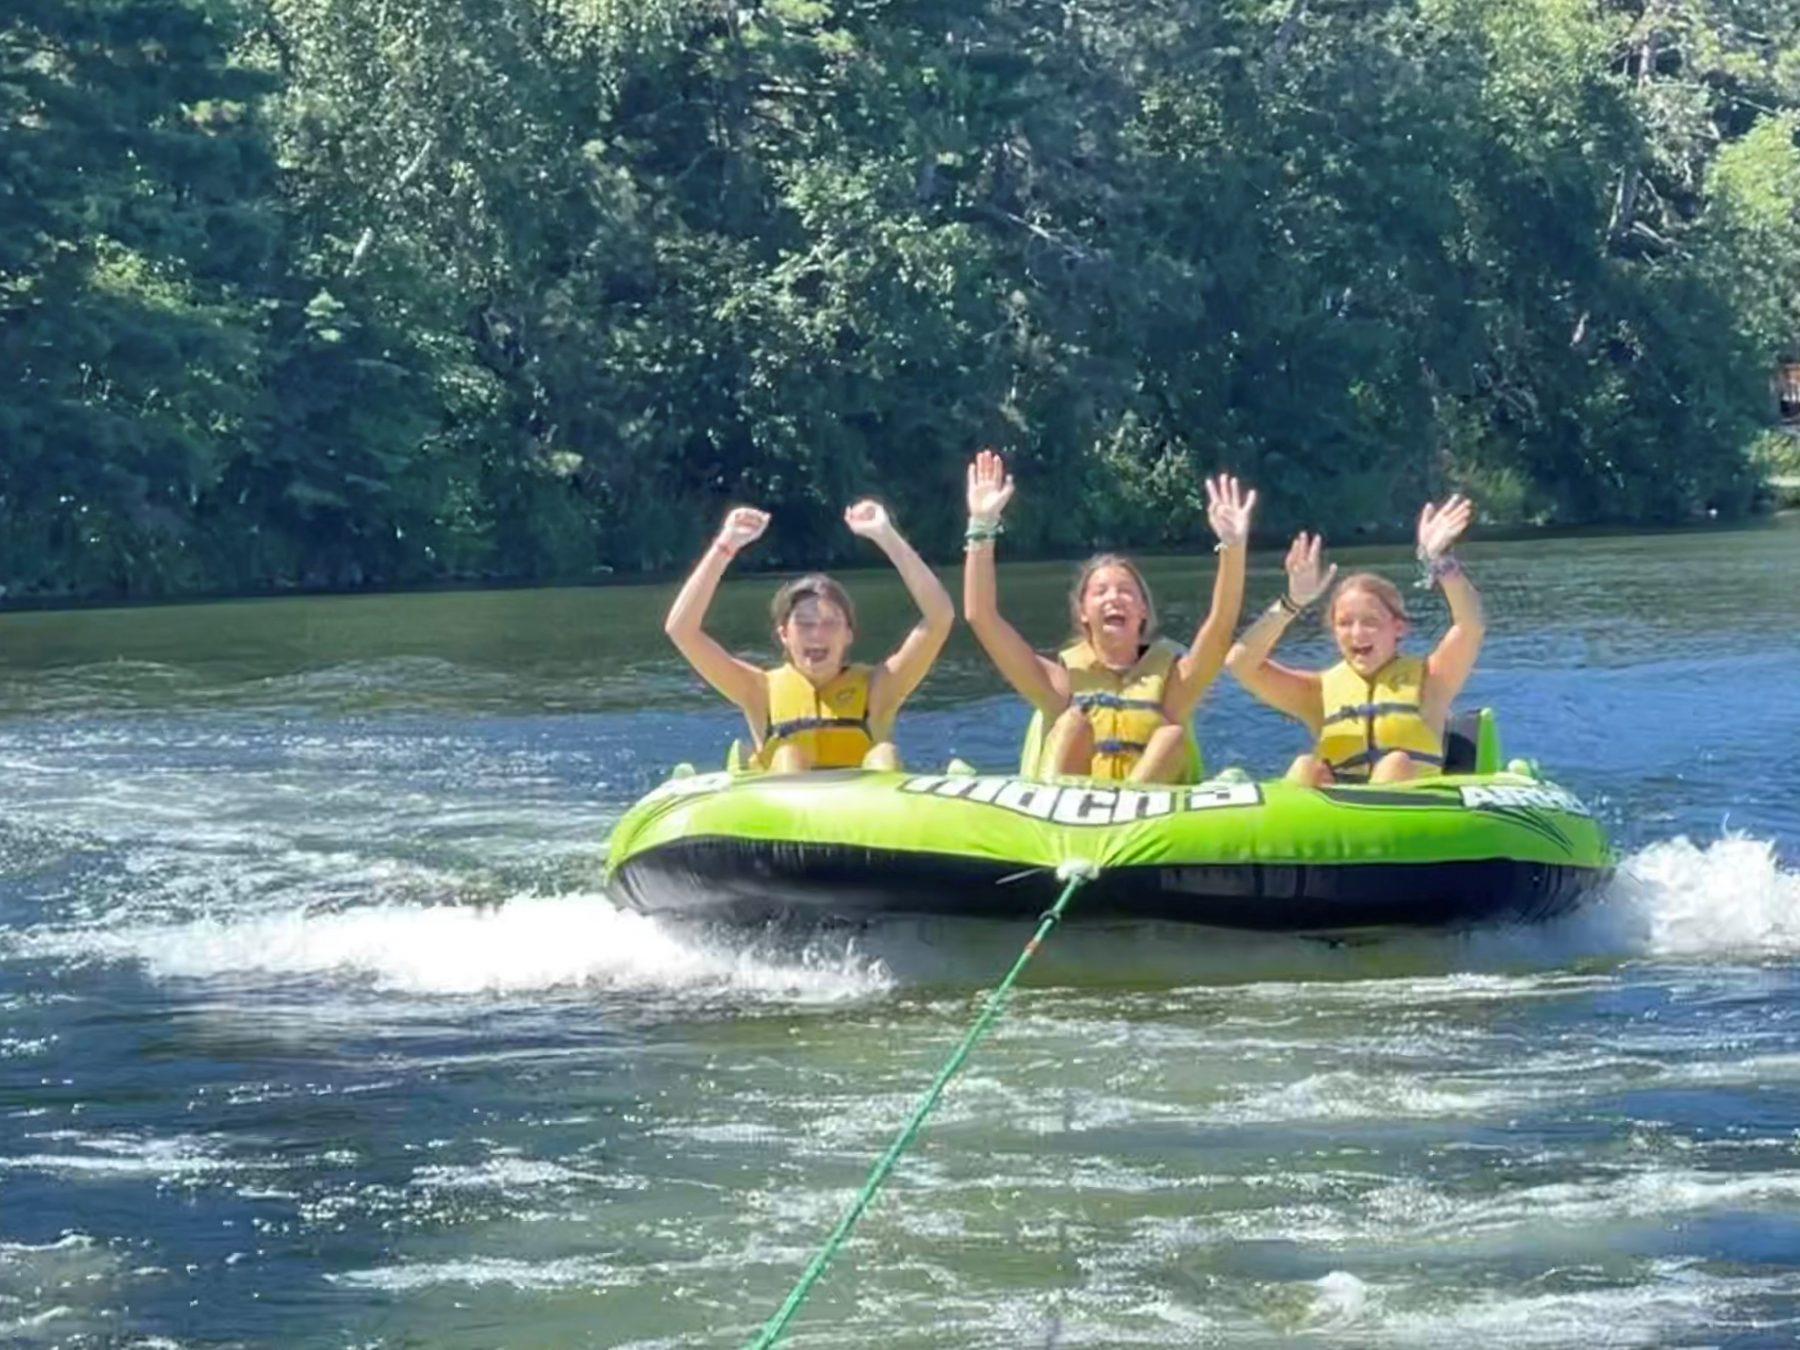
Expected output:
(1076, 872)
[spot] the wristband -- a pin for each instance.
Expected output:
(1286, 605)
(1436, 569)
(982, 531)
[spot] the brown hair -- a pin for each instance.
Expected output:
(1386, 594)
(812, 586)
(1093, 565)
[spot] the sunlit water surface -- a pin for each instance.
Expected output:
(316, 1030)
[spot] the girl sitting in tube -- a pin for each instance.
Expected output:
(818, 710)
(1116, 700)
(1377, 716)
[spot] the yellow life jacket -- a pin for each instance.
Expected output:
(1365, 719)
(1125, 707)
(831, 721)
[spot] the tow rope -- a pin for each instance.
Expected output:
(1076, 873)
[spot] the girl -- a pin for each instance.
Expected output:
(817, 711)
(1118, 699)
(1376, 716)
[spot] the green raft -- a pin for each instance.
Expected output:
(1469, 847)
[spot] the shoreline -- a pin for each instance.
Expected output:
(1788, 505)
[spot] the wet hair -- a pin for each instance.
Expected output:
(1079, 589)
(812, 586)
(1386, 594)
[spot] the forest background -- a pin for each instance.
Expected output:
(339, 293)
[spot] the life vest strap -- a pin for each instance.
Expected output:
(1358, 712)
(1099, 698)
(1363, 759)
(781, 730)
(1119, 747)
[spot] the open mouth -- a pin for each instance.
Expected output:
(815, 655)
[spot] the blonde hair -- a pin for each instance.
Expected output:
(1093, 565)
(812, 586)
(1386, 594)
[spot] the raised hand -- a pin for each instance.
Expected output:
(1228, 510)
(868, 519)
(743, 525)
(990, 487)
(1307, 580)
(1441, 526)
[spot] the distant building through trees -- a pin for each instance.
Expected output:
(1787, 390)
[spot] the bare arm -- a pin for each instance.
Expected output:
(737, 680)
(1294, 692)
(1228, 511)
(896, 677)
(1448, 667)
(1043, 684)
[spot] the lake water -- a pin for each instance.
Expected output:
(317, 1030)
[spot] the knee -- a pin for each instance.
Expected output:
(1396, 766)
(1070, 744)
(883, 757)
(1167, 746)
(1310, 771)
(1165, 737)
(789, 758)
(1072, 722)
(1164, 758)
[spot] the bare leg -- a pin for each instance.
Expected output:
(883, 756)
(790, 758)
(1069, 749)
(1165, 757)
(1396, 766)
(1310, 771)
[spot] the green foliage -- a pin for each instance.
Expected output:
(321, 293)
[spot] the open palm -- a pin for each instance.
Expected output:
(1307, 578)
(1441, 526)
(1228, 510)
(990, 487)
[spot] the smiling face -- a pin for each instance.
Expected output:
(1112, 608)
(816, 638)
(1367, 627)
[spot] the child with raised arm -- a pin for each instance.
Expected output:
(817, 710)
(1117, 699)
(1377, 716)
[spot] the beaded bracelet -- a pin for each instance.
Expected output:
(1436, 569)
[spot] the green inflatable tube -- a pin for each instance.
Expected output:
(850, 845)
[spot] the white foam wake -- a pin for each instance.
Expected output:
(526, 943)
(1731, 897)
(1727, 900)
